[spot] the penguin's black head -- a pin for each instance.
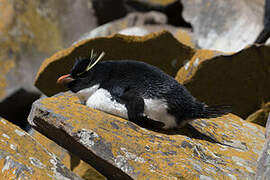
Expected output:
(83, 73)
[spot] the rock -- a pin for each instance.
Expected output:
(225, 25)
(240, 80)
(31, 31)
(263, 169)
(182, 35)
(265, 32)
(109, 10)
(260, 116)
(150, 49)
(24, 43)
(22, 157)
(71, 161)
(191, 65)
(17, 106)
(131, 20)
(227, 148)
(140, 24)
(267, 127)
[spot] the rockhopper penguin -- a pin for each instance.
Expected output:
(135, 91)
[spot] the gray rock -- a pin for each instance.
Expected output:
(132, 20)
(225, 25)
(263, 168)
(267, 127)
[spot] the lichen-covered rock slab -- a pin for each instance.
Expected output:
(22, 157)
(33, 30)
(70, 160)
(224, 25)
(240, 80)
(120, 149)
(159, 49)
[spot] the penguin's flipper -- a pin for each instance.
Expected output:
(135, 106)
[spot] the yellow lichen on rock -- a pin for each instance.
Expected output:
(162, 2)
(141, 153)
(5, 67)
(28, 35)
(33, 22)
(23, 24)
(21, 157)
(191, 65)
(7, 15)
(150, 49)
(185, 38)
(71, 161)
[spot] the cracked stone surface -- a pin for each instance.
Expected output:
(224, 147)
(22, 157)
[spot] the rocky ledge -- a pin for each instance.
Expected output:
(224, 147)
(22, 157)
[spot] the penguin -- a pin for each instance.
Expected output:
(136, 91)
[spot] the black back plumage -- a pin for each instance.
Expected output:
(146, 80)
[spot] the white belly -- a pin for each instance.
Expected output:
(156, 109)
(101, 99)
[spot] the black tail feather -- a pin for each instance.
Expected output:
(215, 111)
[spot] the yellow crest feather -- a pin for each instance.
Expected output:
(93, 57)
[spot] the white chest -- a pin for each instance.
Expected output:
(101, 99)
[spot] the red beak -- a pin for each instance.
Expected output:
(65, 79)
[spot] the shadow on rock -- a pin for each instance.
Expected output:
(188, 130)
(17, 106)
